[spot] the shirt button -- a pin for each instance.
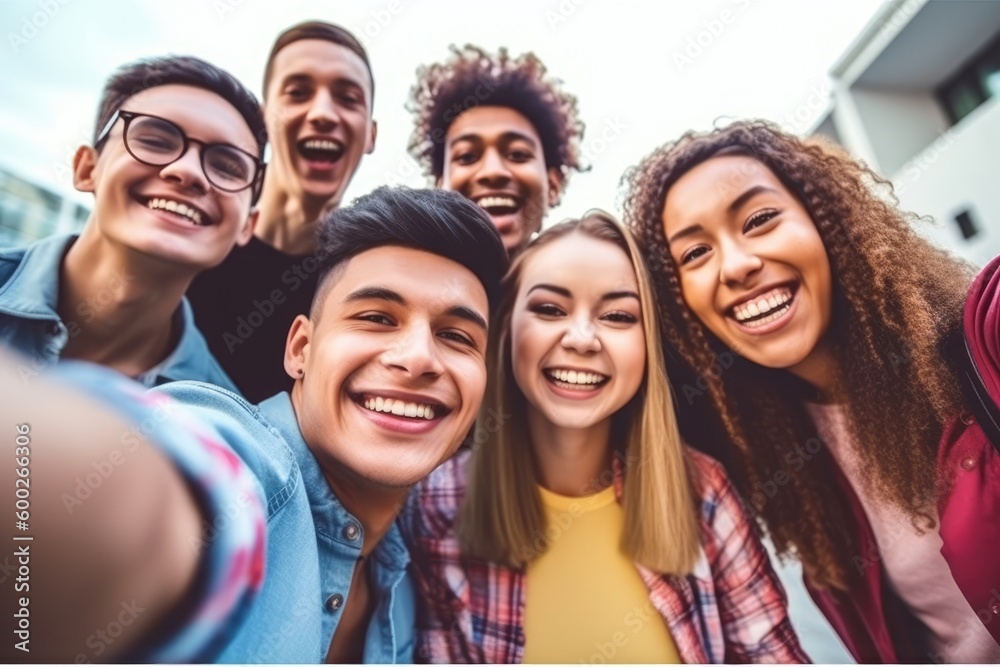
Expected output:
(968, 463)
(351, 531)
(334, 602)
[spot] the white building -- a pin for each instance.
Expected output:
(917, 96)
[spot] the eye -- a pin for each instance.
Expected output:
(457, 337)
(465, 157)
(547, 310)
(376, 318)
(620, 317)
(351, 99)
(759, 218)
(297, 93)
(520, 155)
(693, 254)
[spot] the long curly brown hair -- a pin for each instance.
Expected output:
(897, 300)
(472, 77)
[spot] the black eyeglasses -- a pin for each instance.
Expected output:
(158, 142)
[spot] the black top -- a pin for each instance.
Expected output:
(245, 307)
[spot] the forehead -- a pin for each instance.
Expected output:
(427, 282)
(581, 264)
(319, 59)
(490, 122)
(201, 113)
(716, 182)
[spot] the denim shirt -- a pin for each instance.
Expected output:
(313, 543)
(29, 323)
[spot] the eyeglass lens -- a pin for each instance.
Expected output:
(159, 143)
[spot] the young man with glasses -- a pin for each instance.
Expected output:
(174, 169)
(318, 94)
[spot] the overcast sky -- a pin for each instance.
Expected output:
(644, 72)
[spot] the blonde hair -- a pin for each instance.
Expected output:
(502, 518)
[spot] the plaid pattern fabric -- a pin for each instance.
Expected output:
(731, 608)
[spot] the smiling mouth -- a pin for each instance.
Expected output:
(575, 380)
(179, 209)
(400, 408)
(765, 308)
(499, 205)
(324, 151)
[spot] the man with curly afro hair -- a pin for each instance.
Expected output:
(500, 131)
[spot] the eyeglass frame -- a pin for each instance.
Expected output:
(128, 116)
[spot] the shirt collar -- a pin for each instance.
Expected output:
(33, 291)
(329, 514)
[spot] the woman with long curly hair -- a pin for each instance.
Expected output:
(579, 528)
(499, 130)
(821, 326)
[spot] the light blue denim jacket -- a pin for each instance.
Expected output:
(313, 543)
(29, 323)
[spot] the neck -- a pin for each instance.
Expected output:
(819, 369)
(289, 223)
(118, 304)
(571, 461)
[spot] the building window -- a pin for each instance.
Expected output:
(966, 224)
(976, 82)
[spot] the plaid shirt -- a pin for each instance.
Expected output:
(731, 608)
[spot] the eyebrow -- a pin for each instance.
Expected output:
(505, 137)
(747, 196)
(610, 296)
(386, 294)
(732, 208)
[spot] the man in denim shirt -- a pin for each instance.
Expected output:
(174, 168)
(389, 372)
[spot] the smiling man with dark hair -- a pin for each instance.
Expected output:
(390, 371)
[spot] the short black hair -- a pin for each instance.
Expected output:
(439, 221)
(318, 30)
(140, 75)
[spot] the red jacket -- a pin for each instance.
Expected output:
(869, 618)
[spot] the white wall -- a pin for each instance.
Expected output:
(898, 124)
(957, 171)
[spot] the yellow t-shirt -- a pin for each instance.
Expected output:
(585, 601)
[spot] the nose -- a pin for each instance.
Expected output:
(322, 114)
(738, 263)
(493, 169)
(186, 170)
(582, 337)
(414, 352)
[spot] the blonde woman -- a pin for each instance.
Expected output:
(579, 527)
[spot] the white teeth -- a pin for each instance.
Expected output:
(179, 208)
(777, 299)
(322, 145)
(577, 377)
(493, 202)
(400, 408)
